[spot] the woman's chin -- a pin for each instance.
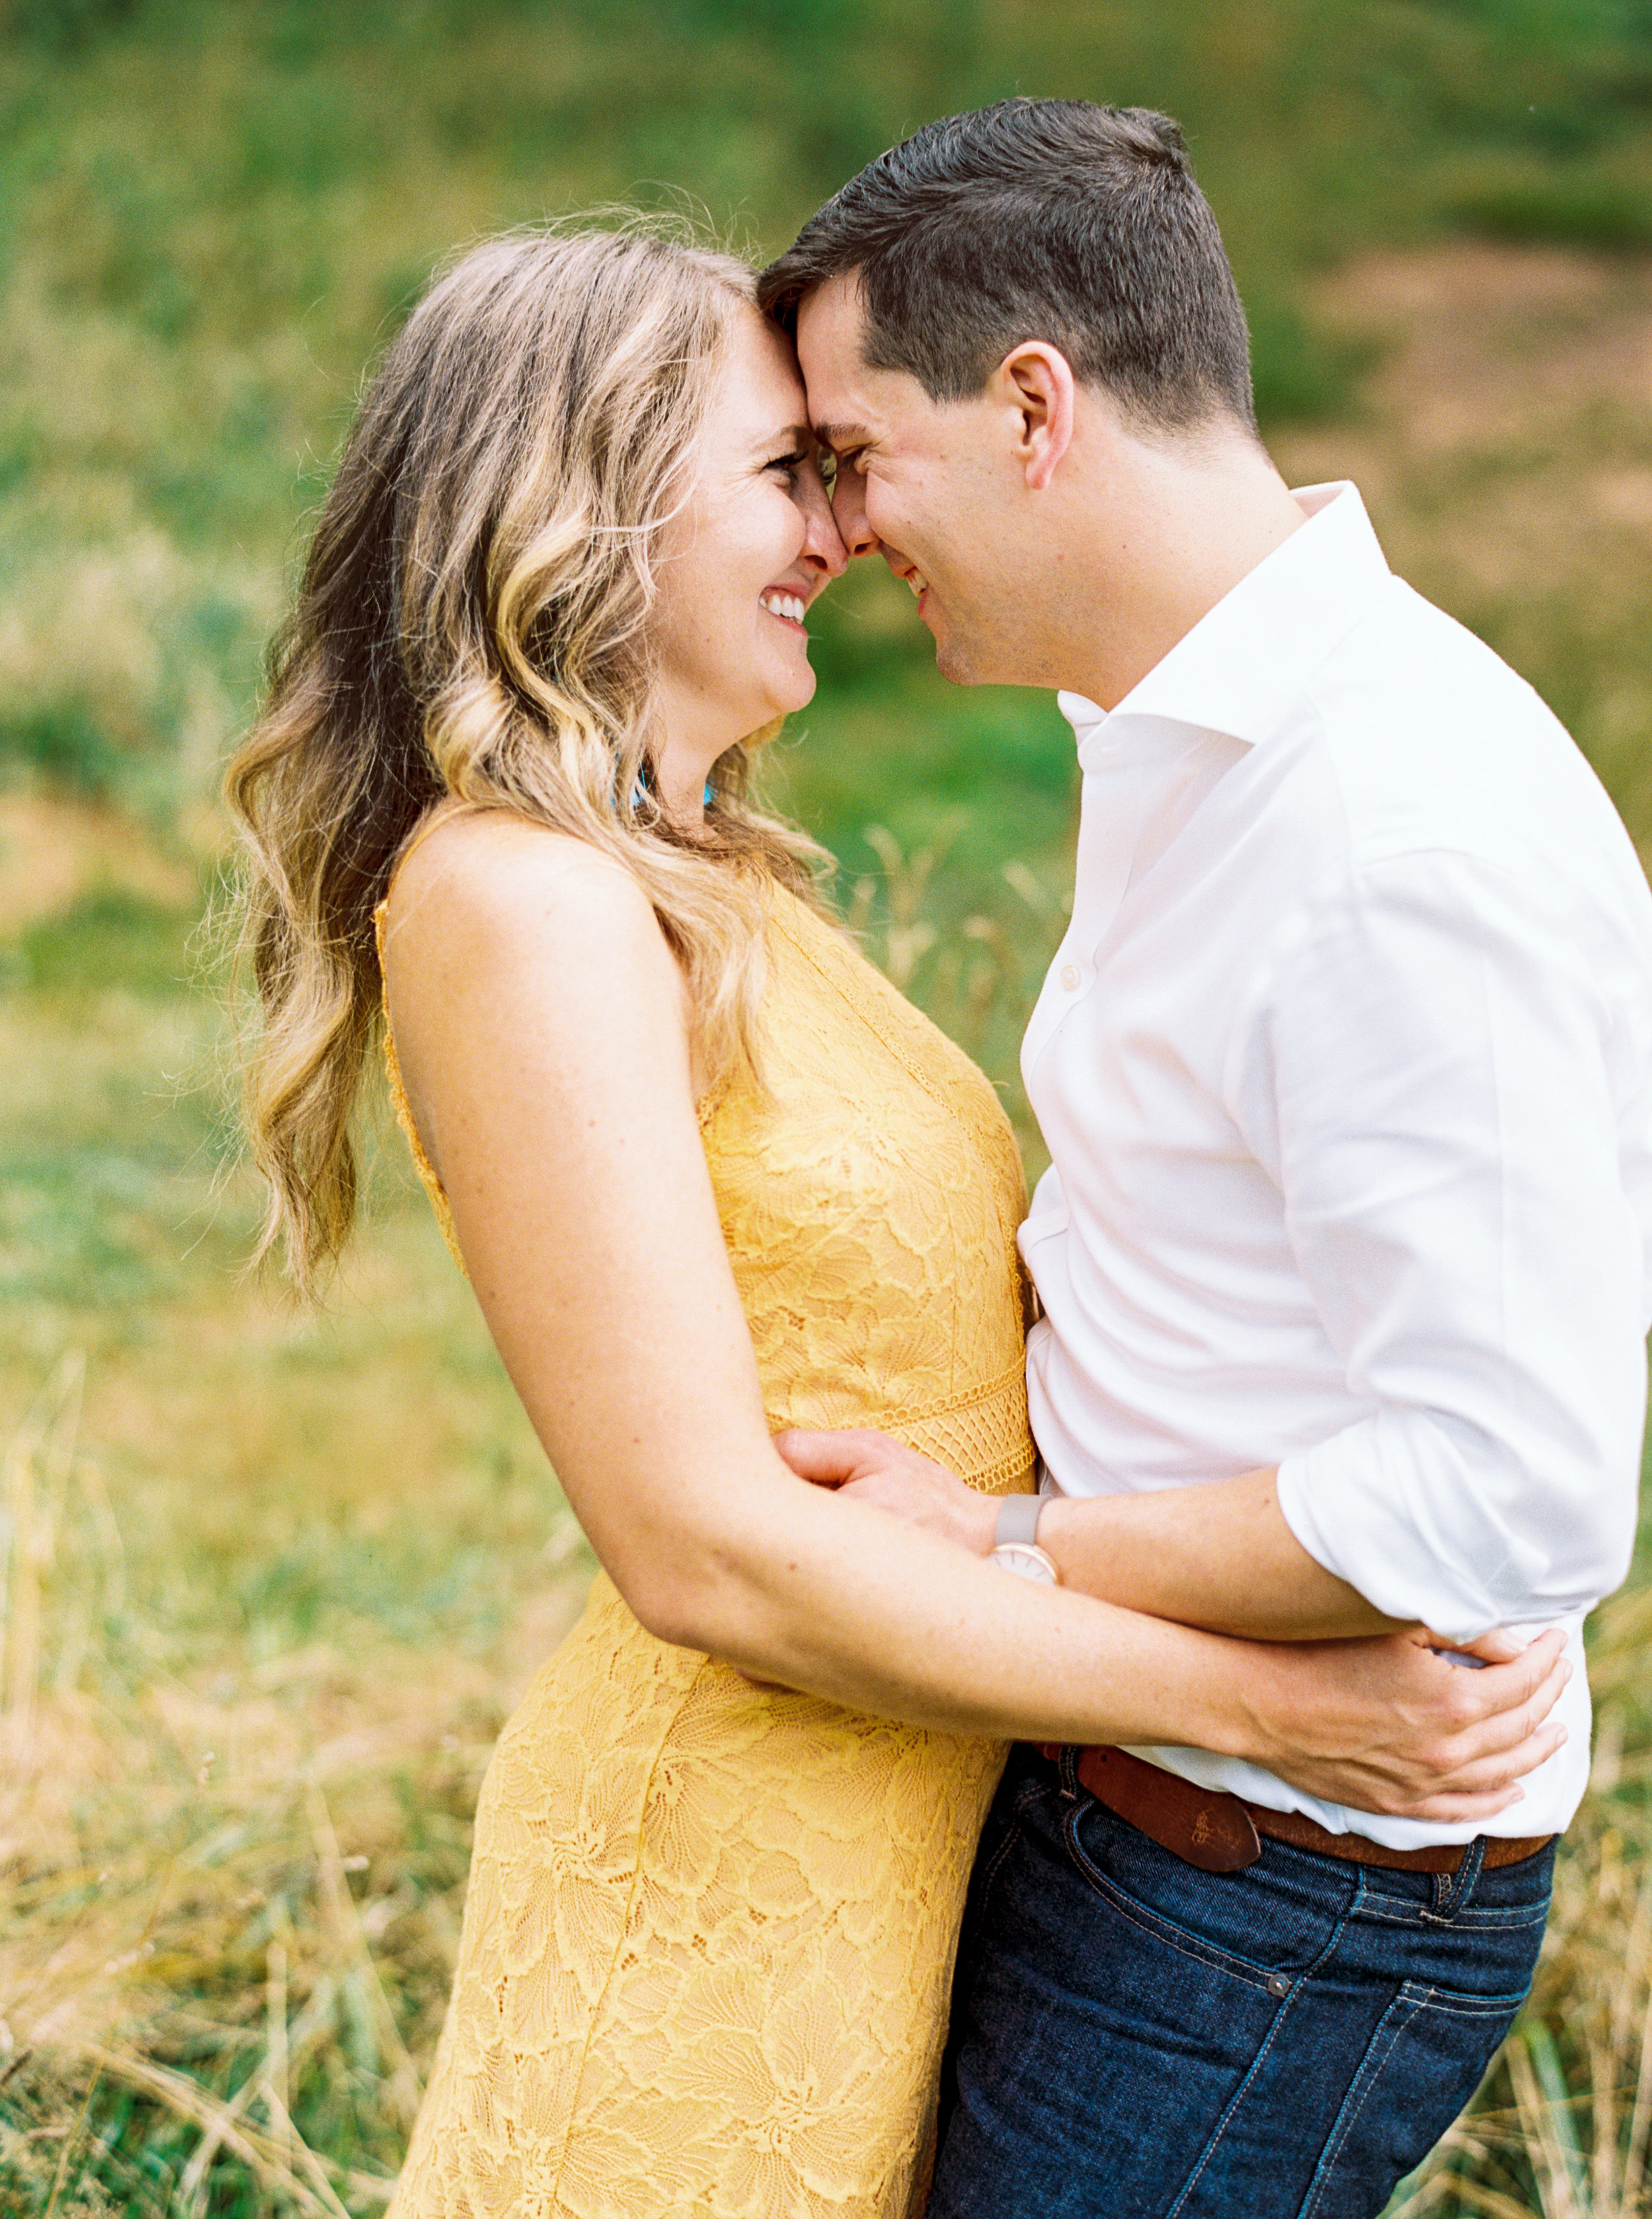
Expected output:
(780, 702)
(801, 692)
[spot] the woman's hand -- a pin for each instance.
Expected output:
(1389, 1725)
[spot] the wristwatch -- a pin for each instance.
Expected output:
(1015, 1541)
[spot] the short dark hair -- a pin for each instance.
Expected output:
(1056, 219)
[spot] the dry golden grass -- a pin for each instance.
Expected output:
(230, 1881)
(54, 852)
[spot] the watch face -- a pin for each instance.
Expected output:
(1025, 1561)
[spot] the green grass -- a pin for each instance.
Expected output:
(112, 939)
(211, 214)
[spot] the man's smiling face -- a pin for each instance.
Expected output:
(931, 486)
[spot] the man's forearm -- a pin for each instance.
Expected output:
(1221, 1556)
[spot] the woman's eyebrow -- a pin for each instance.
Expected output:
(792, 435)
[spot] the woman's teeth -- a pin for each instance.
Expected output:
(785, 605)
(918, 582)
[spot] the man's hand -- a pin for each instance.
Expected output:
(878, 1470)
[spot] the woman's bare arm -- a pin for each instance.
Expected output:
(540, 1024)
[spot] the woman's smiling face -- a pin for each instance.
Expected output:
(753, 546)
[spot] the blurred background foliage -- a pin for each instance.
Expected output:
(212, 214)
(245, 1696)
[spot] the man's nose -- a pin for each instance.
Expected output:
(849, 512)
(822, 546)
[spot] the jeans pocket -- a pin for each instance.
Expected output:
(1427, 2056)
(1255, 1923)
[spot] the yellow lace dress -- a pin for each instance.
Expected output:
(710, 1927)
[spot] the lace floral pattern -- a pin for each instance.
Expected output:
(710, 1927)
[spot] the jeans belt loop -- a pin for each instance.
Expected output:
(1453, 1891)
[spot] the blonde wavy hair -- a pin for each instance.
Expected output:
(474, 624)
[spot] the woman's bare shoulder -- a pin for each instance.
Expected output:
(486, 876)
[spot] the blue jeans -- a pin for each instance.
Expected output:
(1134, 2039)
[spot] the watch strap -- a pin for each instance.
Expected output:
(1018, 1516)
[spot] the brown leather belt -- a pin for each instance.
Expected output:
(1207, 1827)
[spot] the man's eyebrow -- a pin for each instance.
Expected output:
(841, 437)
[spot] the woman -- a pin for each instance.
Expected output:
(710, 1176)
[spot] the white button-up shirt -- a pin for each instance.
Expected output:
(1346, 1070)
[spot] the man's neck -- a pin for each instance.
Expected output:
(1171, 534)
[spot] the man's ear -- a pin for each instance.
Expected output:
(1041, 386)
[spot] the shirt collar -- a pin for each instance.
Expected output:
(1245, 661)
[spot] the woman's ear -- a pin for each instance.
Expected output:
(1041, 386)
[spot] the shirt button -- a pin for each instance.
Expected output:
(1070, 977)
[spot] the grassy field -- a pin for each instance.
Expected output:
(271, 1582)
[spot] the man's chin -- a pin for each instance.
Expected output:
(956, 663)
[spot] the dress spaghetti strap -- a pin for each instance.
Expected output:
(442, 814)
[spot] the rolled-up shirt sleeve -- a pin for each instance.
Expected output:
(1427, 1069)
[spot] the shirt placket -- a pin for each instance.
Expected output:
(1108, 820)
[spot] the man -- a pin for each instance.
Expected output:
(1346, 1068)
